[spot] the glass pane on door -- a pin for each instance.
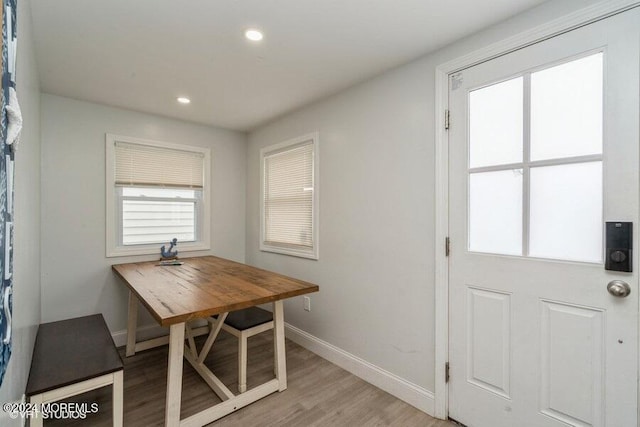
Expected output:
(566, 109)
(566, 212)
(495, 124)
(495, 212)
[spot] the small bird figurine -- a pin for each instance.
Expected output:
(167, 254)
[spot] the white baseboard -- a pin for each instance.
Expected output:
(144, 333)
(413, 394)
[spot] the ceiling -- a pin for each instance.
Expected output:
(143, 54)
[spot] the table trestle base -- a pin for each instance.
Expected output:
(228, 406)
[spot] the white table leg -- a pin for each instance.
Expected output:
(278, 338)
(132, 324)
(174, 375)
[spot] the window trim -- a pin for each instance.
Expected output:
(112, 217)
(314, 252)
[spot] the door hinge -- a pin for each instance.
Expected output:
(446, 372)
(447, 246)
(446, 119)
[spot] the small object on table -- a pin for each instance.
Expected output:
(170, 262)
(167, 255)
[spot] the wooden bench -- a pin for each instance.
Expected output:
(71, 357)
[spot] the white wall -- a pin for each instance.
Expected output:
(26, 263)
(376, 266)
(76, 275)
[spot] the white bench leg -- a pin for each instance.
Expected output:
(118, 398)
(36, 421)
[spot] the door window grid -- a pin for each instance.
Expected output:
(527, 164)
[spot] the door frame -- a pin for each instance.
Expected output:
(573, 20)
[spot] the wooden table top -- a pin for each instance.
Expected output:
(204, 286)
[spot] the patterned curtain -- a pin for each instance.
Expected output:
(10, 124)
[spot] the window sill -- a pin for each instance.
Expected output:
(313, 254)
(155, 249)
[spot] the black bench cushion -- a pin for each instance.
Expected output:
(71, 351)
(248, 318)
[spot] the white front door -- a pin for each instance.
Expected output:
(543, 151)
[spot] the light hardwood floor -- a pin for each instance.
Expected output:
(319, 393)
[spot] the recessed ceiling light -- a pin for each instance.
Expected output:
(183, 100)
(253, 35)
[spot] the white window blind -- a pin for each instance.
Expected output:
(288, 197)
(150, 166)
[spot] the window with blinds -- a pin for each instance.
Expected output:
(289, 197)
(157, 194)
